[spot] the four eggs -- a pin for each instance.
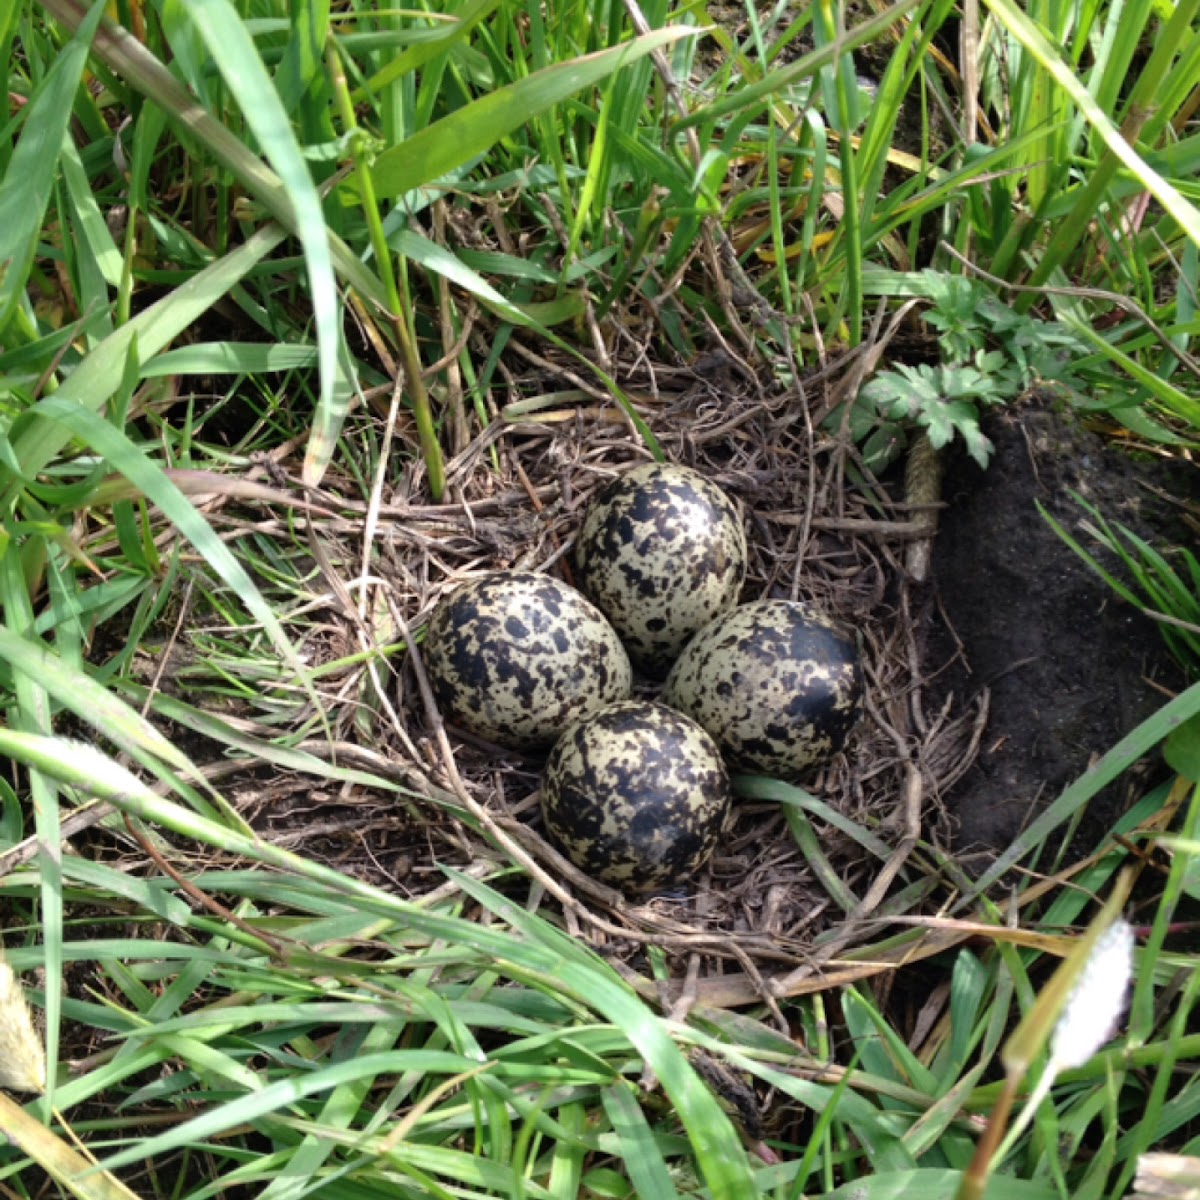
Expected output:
(636, 793)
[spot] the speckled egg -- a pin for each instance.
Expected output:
(661, 552)
(776, 682)
(515, 657)
(637, 796)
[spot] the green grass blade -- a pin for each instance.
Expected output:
(647, 1170)
(929, 1183)
(438, 258)
(36, 441)
(279, 1095)
(304, 59)
(229, 358)
(1122, 756)
(469, 131)
(235, 55)
(1165, 393)
(97, 242)
(25, 189)
(154, 483)
(77, 691)
(437, 41)
(1050, 59)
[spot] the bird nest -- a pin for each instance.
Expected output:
(807, 885)
(806, 871)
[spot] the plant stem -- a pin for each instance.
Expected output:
(399, 306)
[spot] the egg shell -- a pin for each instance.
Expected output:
(515, 657)
(637, 796)
(661, 552)
(777, 684)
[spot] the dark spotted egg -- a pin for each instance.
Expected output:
(776, 683)
(637, 796)
(515, 657)
(661, 552)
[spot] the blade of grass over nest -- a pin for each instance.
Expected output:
(153, 482)
(874, 151)
(148, 132)
(400, 311)
(588, 979)
(569, 1153)
(303, 61)
(809, 844)
(153, 897)
(441, 260)
(29, 178)
(757, 787)
(871, 1128)
(97, 253)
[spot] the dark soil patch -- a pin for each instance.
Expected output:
(1069, 667)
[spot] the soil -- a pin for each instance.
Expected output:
(1068, 666)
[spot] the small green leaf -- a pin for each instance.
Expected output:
(936, 419)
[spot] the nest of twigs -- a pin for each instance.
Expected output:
(805, 872)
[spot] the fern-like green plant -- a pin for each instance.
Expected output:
(991, 354)
(941, 400)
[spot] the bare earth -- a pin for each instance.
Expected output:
(1070, 668)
